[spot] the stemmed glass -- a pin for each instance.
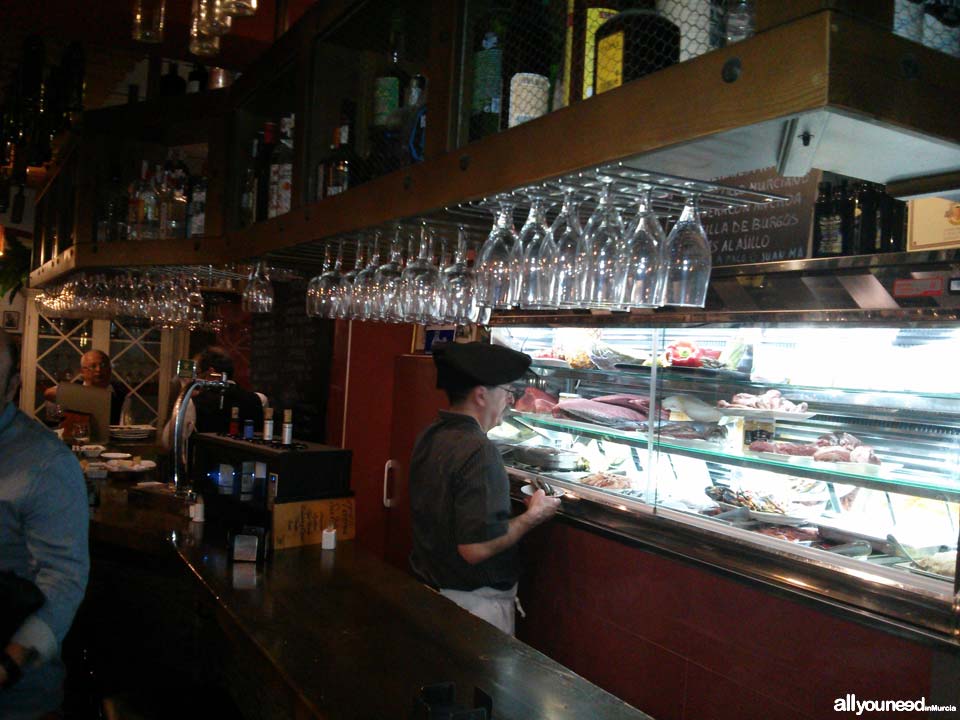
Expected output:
(329, 290)
(420, 284)
(566, 235)
(345, 306)
(313, 287)
(539, 257)
(500, 260)
(258, 295)
(687, 259)
(460, 285)
(599, 249)
(387, 307)
(364, 293)
(640, 267)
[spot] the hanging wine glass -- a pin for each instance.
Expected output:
(364, 294)
(330, 288)
(539, 258)
(597, 257)
(500, 260)
(345, 307)
(687, 259)
(420, 283)
(258, 294)
(567, 235)
(313, 287)
(459, 283)
(387, 307)
(640, 266)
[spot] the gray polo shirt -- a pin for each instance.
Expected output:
(459, 495)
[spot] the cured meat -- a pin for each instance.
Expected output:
(864, 454)
(607, 480)
(600, 413)
(634, 402)
(528, 402)
(842, 439)
(794, 449)
(770, 400)
(832, 453)
(763, 446)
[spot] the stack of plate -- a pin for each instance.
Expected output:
(131, 432)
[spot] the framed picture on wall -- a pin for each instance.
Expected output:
(11, 320)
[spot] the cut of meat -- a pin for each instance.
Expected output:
(600, 413)
(634, 402)
(832, 453)
(795, 449)
(531, 396)
(839, 438)
(864, 454)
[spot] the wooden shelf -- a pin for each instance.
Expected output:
(888, 123)
(167, 251)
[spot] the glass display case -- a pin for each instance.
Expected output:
(822, 458)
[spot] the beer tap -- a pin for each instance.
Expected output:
(187, 370)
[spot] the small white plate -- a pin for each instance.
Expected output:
(116, 456)
(92, 451)
(530, 490)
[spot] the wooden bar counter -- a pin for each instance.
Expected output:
(327, 634)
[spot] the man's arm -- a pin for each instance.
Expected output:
(539, 509)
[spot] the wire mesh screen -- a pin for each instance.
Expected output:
(526, 58)
(934, 24)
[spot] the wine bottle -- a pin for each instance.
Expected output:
(342, 165)
(632, 44)
(248, 185)
(584, 18)
(527, 55)
(389, 86)
(264, 155)
(171, 84)
(487, 100)
(827, 239)
(281, 169)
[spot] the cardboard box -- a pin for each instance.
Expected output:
(302, 523)
(933, 224)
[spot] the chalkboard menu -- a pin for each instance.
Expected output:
(290, 360)
(775, 231)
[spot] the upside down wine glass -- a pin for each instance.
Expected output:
(459, 283)
(566, 235)
(687, 259)
(364, 294)
(500, 260)
(539, 258)
(421, 285)
(599, 251)
(387, 306)
(640, 270)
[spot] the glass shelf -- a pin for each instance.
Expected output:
(887, 481)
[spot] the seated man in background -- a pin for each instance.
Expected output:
(96, 371)
(208, 410)
(43, 538)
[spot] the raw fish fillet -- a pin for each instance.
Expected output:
(600, 413)
(533, 400)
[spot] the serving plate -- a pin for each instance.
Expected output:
(530, 490)
(125, 466)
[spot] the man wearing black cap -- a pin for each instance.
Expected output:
(464, 540)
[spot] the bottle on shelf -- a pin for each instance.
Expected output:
(342, 164)
(865, 208)
(390, 85)
(233, 429)
(527, 54)
(827, 237)
(197, 79)
(893, 225)
(197, 208)
(171, 84)
(584, 18)
(287, 431)
(268, 424)
(281, 169)
(633, 43)
(264, 160)
(248, 185)
(172, 186)
(486, 103)
(147, 206)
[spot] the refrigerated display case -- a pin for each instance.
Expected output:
(829, 451)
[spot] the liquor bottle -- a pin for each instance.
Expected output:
(197, 79)
(487, 99)
(287, 431)
(341, 166)
(197, 208)
(147, 206)
(894, 224)
(268, 424)
(248, 185)
(171, 84)
(264, 155)
(865, 209)
(281, 169)
(527, 54)
(827, 238)
(390, 85)
(584, 18)
(233, 429)
(632, 44)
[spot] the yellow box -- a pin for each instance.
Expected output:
(302, 523)
(934, 224)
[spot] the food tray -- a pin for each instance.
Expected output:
(765, 414)
(766, 517)
(845, 535)
(920, 571)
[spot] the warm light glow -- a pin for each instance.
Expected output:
(2, 241)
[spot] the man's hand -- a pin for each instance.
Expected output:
(540, 508)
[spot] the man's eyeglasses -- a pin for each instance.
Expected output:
(514, 391)
(95, 366)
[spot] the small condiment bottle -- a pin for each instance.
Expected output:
(287, 427)
(234, 429)
(268, 424)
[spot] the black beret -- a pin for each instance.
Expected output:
(461, 366)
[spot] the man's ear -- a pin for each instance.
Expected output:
(13, 385)
(480, 395)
